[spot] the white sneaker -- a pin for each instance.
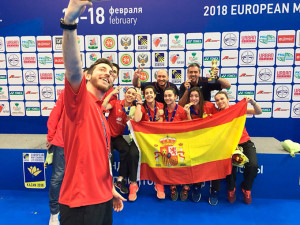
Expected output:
(54, 219)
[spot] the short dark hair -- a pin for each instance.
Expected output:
(194, 65)
(117, 66)
(99, 61)
(170, 89)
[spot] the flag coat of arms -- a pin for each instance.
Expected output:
(190, 151)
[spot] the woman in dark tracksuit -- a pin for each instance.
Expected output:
(249, 150)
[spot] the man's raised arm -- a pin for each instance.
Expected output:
(70, 48)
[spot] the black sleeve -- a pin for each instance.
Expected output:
(215, 86)
(175, 87)
(143, 85)
(181, 90)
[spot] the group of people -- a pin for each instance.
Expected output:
(82, 138)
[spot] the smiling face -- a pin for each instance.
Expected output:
(194, 97)
(101, 77)
(162, 77)
(149, 95)
(193, 73)
(115, 72)
(169, 97)
(222, 101)
(130, 95)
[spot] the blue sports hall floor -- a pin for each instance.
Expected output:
(31, 207)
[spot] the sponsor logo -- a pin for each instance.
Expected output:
(247, 57)
(46, 76)
(142, 59)
(59, 60)
(297, 91)
(110, 57)
(174, 58)
(32, 109)
(126, 42)
(193, 58)
(297, 57)
(265, 74)
(279, 109)
(30, 76)
(44, 44)
(246, 75)
(286, 38)
(142, 42)
(47, 108)
(248, 39)
(265, 39)
(2, 77)
(14, 76)
(176, 76)
(93, 57)
(297, 74)
(59, 91)
(28, 44)
(2, 106)
(194, 41)
(210, 58)
(45, 60)
(16, 107)
(284, 56)
(13, 60)
(245, 92)
(211, 40)
(144, 76)
(296, 109)
(29, 59)
(266, 110)
(126, 76)
(47, 92)
(228, 75)
(159, 59)
(93, 43)
(126, 60)
(228, 57)
(12, 44)
(156, 41)
(230, 39)
(265, 56)
(31, 93)
(176, 41)
(261, 92)
(1, 44)
(58, 42)
(159, 42)
(109, 42)
(16, 93)
(283, 74)
(282, 91)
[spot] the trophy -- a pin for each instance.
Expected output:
(214, 66)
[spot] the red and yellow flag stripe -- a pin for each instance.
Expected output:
(189, 151)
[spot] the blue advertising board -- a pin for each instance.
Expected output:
(257, 45)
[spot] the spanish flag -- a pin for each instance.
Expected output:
(191, 151)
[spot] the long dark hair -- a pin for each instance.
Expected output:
(201, 99)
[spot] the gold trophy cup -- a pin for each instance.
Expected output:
(214, 66)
